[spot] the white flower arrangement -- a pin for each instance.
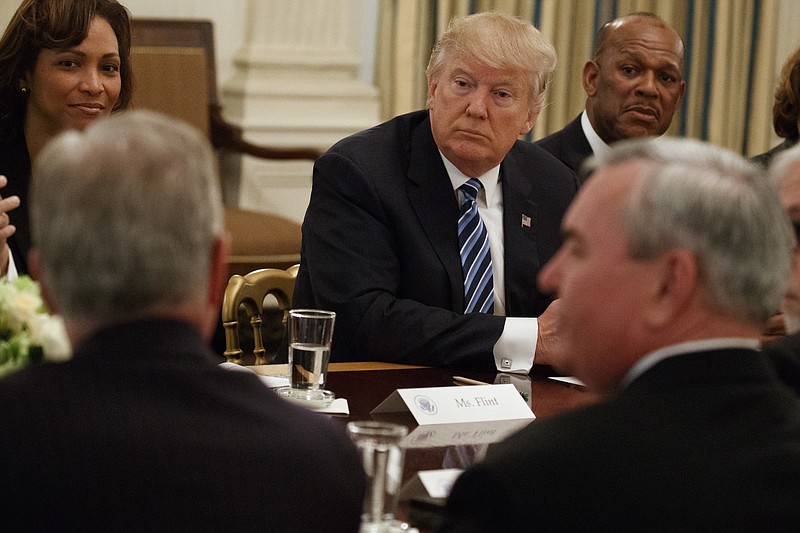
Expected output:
(28, 333)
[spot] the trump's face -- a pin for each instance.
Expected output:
(477, 112)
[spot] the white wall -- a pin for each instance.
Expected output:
(228, 17)
(7, 8)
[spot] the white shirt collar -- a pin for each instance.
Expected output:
(488, 180)
(598, 145)
(651, 359)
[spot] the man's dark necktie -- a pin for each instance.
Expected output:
(476, 259)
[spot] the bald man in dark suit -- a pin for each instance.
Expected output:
(633, 86)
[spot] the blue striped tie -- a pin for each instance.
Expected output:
(476, 260)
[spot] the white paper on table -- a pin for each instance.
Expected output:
(432, 483)
(439, 482)
(569, 379)
(339, 406)
(272, 382)
(227, 365)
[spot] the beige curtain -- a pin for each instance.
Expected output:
(730, 45)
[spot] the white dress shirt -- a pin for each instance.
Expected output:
(598, 145)
(516, 347)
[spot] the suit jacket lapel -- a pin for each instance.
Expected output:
(520, 222)
(431, 195)
(577, 149)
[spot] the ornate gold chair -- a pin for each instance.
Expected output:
(251, 291)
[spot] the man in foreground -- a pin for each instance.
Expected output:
(424, 234)
(633, 86)
(675, 255)
(141, 429)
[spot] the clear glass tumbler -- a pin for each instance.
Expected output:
(310, 334)
(379, 444)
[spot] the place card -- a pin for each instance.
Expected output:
(449, 405)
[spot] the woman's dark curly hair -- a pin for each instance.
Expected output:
(786, 109)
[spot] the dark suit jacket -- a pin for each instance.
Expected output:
(380, 246)
(142, 431)
(765, 159)
(15, 165)
(700, 442)
(568, 144)
(784, 353)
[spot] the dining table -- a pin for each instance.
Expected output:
(367, 384)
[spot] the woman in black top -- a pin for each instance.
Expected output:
(63, 64)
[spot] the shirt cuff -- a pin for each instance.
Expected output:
(12, 273)
(515, 349)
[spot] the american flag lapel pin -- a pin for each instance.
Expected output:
(526, 221)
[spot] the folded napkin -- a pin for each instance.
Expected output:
(339, 406)
(272, 382)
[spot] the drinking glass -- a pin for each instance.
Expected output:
(378, 444)
(310, 334)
